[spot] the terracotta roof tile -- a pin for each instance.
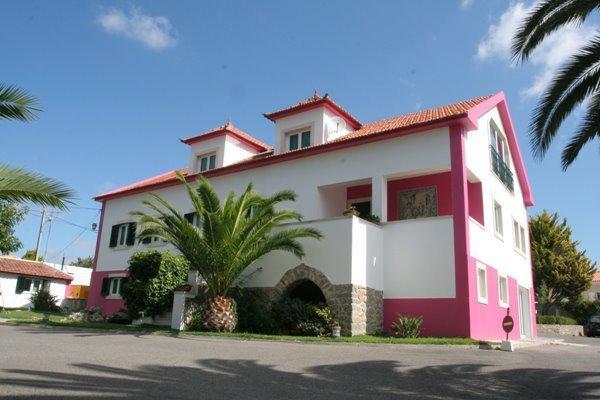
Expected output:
(228, 127)
(16, 266)
(429, 116)
(316, 98)
(596, 277)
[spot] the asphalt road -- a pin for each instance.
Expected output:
(63, 363)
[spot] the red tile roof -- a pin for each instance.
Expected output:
(314, 101)
(16, 266)
(596, 277)
(412, 120)
(222, 129)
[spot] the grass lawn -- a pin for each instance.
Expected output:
(33, 317)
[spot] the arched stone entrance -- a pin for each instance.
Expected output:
(300, 274)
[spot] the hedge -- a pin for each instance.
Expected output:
(555, 320)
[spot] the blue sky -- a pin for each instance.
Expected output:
(120, 82)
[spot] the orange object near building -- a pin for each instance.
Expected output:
(79, 292)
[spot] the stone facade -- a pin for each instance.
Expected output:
(358, 309)
(563, 330)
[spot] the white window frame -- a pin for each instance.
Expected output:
(519, 240)
(115, 281)
(499, 137)
(500, 224)
(298, 132)
(482, 298)
(502, 303)
(155, 241)
(207, 156)
(122, 235)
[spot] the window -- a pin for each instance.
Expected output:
(500, 157)
(362, 206)
(498, 225)
(502, 291)
(206, 162)
(122, 235)
(251, 211)
(193, 219)
(481, 283)
(25, 284)
(298, 140)
(111, 286)
(519, 238)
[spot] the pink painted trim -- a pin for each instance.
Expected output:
(223, 132)
(441, 317)
(476, 202)
(499, 100)
(283, 157)
(358, 192)
(326, 102)
(441, 181)
(95, 298)
(102, 210)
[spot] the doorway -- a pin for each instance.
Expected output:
(524, 313)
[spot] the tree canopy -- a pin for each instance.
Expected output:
(10, 216)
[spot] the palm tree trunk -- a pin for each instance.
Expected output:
(220, 314)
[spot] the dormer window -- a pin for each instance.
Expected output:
(298, 140)
(206, 162)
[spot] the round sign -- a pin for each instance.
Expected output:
(508, 324)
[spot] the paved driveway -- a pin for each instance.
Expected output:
(62, 363)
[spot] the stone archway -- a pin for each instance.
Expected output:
(304, 273)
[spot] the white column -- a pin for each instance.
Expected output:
(178, 313)
(379, 197)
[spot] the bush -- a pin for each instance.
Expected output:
(153, 277)
(295, 317)
(253, 311)
(407, 327)
(582, 309)
(42, 300)
(555, 320)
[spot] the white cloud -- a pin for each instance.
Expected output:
(155, 33)
(466, 3)
(547, 58)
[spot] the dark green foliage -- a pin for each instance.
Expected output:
(555, 320)
(153, 277)
(295, 317)
(562, 271)
(42, 300)
(254, 311)
(372, 218)
(10, 216)
(86, 262)
(407, 327)
(30, 255)
(574, 83)
(582, 309)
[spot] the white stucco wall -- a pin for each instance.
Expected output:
(10, 299)
(81, 276)
(485, 246)
(412, 154)
(419, 258)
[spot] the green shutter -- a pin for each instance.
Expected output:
(212, 161)
(23, 285)
(203, 164)
(105, 286)
(131, 234)
(114, 236)
(305, 139)
(293, 142)
(147, 240)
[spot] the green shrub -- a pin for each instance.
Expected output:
(42, 300)
(582, 309)
(253, 311)
(295, 317)
(407, 327)
(555, 320)
(153, 277)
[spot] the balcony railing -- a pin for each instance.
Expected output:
(502, 170)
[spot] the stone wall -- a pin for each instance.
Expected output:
(563, 330)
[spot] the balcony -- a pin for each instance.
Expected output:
(502, 170)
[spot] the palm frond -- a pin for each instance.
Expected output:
(589, 129)
(16, 103)
(547, 17)
(574, 82)
(20, 185)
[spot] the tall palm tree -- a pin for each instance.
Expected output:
(576, 81)
(230, 236)
(17, 184)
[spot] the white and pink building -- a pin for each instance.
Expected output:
(448, 186)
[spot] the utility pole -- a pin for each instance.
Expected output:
(49, 231)
(39, 237)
